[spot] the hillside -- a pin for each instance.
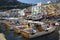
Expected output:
(9, 4)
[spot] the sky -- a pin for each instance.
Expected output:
(34, 1)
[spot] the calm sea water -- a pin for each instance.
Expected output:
(10, 35)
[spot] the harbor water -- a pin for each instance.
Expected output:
(11, 36)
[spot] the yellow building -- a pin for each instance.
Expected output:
(50, 8)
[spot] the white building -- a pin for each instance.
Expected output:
(4, 14)
(22, 12)
(37, 9)
(15, 12)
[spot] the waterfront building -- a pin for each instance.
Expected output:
(4, 14)
(22, 12)
(50, 8)
(13, 12)
(28, 11)
(39, 8)
(46, 9)
(36, 9)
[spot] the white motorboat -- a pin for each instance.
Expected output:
(37, 31)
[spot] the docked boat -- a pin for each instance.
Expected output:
(36, 29)
(37, 18)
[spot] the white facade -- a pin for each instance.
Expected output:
(4, 14)
(37, 9)
(22, 12)
(15, 12)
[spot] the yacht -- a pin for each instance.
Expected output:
(36, 29)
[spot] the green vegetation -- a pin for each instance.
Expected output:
(11, 4)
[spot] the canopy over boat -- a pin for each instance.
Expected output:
(36, 22)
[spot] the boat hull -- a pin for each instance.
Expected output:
(27, 35)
